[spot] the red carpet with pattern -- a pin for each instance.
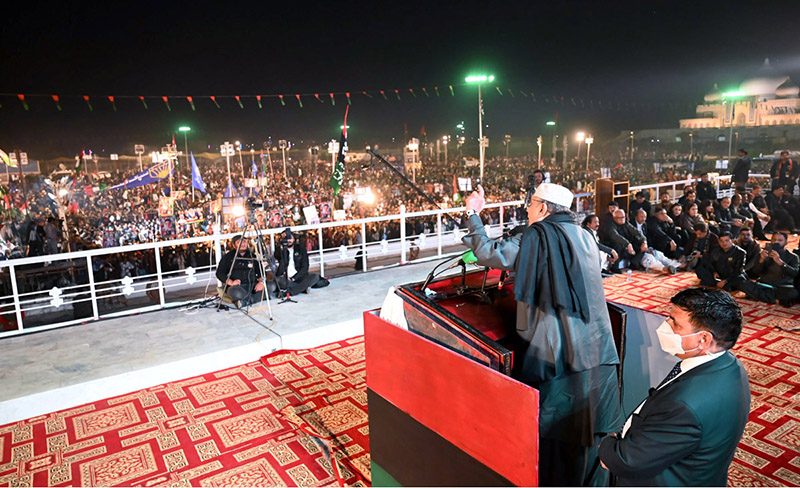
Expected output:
(237, 427)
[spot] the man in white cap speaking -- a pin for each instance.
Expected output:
(566, 348)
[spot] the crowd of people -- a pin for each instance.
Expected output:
(717, 238)
(78, 212)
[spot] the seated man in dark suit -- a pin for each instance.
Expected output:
(701, 242)
(629, 243)
(751, 247)
(723, 268)
(662, 235)
(641, 202)
(782, 218)
(293, 275)
(777, 267)
(607, 220)
(240, 274)
(705, 189)
(687, 430)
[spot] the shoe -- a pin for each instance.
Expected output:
(615, 271)
(672, 270)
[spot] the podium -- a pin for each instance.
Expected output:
(444, 409)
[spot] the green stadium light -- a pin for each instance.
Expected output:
(479, 78)
(734, 94)
(551, 122)
(184, 129)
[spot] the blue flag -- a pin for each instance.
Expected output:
(154, 173)
(230, 191)
(255, 169)
(197, 179)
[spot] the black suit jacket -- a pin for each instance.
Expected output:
(687, 432)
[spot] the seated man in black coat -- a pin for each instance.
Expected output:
(662, 235)
(245, 284)
(701, 242)
(607, 220)
(723, 268)
(751, 247)
(629, 243)
(777, 267)
(782, 219)
(293, 275)
(641, 202)
(705, 189)
(729, 219)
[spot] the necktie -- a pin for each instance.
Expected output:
(676, 370)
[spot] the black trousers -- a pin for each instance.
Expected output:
(297, 287)
(756, 291)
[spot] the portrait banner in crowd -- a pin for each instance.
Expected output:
(165, 207)
(250, 182)
(153, 174)
(311, 215)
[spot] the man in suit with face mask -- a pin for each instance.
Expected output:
(686, 431)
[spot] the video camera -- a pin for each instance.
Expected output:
(251, 205)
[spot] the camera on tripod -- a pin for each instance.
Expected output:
(251, 205)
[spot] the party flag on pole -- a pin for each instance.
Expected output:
(197, 178)
(337, 179)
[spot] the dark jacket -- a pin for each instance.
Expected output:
(635, 206)
(682, 436)
(300, 261)
(706, 191)
(619, 236)
(657, 235)
(741, 172)
(770, 273)
(785, 172)
(728, 265)
(704, 245)
(246, 269)
(752, 251)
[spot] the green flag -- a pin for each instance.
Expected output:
(337, 179)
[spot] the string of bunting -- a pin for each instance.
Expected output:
(243, 100)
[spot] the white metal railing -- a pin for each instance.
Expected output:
(24, 297)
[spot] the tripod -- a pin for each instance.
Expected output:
(262, 253)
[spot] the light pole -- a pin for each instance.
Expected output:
(445, 140)
(589, 141)
(227, 151)
(732, 96)
(631, 147)
(413, 149)
(552, 123)
(139, 150)
(480, 79)
(539, 143)
(282, 145)
(185, 130)
(691, 145)
(507, 140)
(241, 163)
(580, 136)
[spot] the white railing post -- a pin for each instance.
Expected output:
(159, 276)
(439, 232)
(501, 218)
(321, 254)
(364, 247)
(217, 241)
(402, 234)
(15, 290)
(92, 289)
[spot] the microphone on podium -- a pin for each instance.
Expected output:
(465, 259)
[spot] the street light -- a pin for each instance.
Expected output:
(480, 79)
(185, 129)
(631, 147)
(507, 141)
(539, 143)
(580, 137)
(589, 141)
(239, 148)
(552, 123)
(445, 140)
(282, 145)
(732, 96)
(691, 145)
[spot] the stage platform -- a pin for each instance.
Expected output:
(136, 357)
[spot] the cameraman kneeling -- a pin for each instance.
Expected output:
(293, 275)
(246, 282)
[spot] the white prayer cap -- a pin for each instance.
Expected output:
(550, 192)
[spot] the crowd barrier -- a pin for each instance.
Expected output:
(47, 292)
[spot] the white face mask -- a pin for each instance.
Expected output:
(671, 342)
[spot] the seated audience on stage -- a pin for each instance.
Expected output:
(706, 210)
(723, 267)
(757, 205)
(701, 242)
(245, 285)
(641, 202)
(777, 267)
(662, 234)
(607, 220)
(780, 210)
(639, 220)
(675, 213)
(751, 247)
(607, 255)
(705, 189)
(687, 430)
(629, 243)
(293, 276)
(689, 197)
(665, 201)
(691, 217)
(728, 217)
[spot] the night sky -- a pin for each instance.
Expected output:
(665, 54)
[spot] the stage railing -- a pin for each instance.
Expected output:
(53, 291)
